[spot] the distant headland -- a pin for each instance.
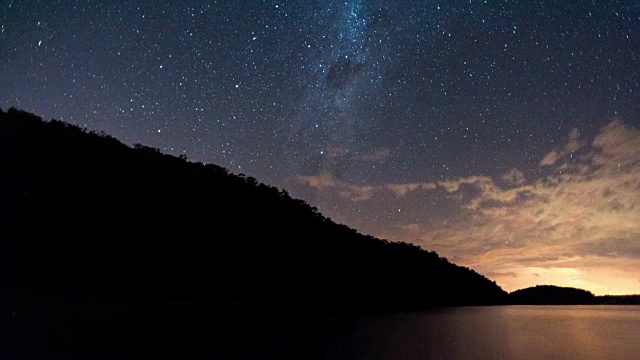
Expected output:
(556, 295)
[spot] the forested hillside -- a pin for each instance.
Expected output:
(81, 210)
(117, 251)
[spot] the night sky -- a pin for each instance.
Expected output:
(505, 135)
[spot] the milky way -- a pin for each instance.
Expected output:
(471, 128)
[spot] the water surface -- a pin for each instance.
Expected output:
(501, 332)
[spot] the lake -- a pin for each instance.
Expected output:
(73, 328)
(500, 332)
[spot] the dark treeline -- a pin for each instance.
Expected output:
(555, 295)
(552, 295)
(618, 299)
(83, 216)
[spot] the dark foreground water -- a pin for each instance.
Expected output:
(501, 332)
(73, 326)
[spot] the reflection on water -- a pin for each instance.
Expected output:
(501, 332)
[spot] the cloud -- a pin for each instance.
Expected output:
(514, 177)
(327, 182)
(403, 189)
(614, 248)
(576, 224)
(550, 158)
(358, 193)
(619, 149)
(573, 145)
(377, 155)
(585, 216)
(496, 274)
(336, 153)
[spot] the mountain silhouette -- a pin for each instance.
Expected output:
(91, 227)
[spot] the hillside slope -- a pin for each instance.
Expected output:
(83, 211)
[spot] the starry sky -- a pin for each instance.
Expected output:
(505, 135)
